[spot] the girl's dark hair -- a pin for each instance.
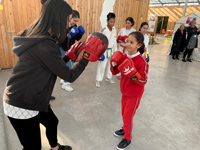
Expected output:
(143, 24)
(53, 19)
(110, 15)
(75, 14)
(131, 20)
(140, 39)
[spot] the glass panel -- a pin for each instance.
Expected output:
(171, 1)
(192, 1)
(154, 1)
(168, 1)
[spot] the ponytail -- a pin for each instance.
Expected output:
(141, 49)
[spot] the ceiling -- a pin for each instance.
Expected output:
(173, 2)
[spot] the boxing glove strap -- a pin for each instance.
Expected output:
(135, 77)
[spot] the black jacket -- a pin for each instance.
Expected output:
(179, 40)
(64, 44)
(191, 31)
(31, 83)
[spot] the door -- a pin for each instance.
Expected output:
(159, 24)
(165, 22)
(16, 16)
(6, 30)
(162, 24)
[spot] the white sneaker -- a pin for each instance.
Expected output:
(67, 87)
(61, 81)
(110, 80)
(98, 84)
(63, 85)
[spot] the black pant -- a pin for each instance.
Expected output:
(187, 52)
(175, 54)
(28, 130)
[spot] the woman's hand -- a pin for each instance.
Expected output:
(198, 30)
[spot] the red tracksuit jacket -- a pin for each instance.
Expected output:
(135, 88)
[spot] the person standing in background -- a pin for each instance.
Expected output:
(143, 29)
(123, 35)
(110, 32)
(192, 40)
(179, 39)
(75, 34)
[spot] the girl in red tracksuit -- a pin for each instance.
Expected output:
(134, 69)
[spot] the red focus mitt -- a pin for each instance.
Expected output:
(75, 50)
(95, 46)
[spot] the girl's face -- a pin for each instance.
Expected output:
(74, 21)
(128, 24)
(144, 29)
(132, 45)
(182, 28)
(111, 23)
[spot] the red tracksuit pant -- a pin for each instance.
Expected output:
(129, 107)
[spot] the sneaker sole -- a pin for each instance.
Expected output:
(117, 135)
(123, 148)
(68, 90)
(109, 81)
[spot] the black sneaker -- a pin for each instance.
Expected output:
(64, 147)
(123, 144)
(183, 60)
(177, 58)
(119, 133)
(189, 60)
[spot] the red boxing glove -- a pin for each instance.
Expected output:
(128, 69)
(115, 61)
(119, 39)
(122, 39)
(95, 46)
(74, 51)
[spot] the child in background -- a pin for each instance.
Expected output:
(134, 69)
(75, 34)
(123, 35)
(143, 29)
(110, 32)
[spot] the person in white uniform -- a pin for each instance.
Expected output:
(143, 29)
(104, 64)
(123, 35)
